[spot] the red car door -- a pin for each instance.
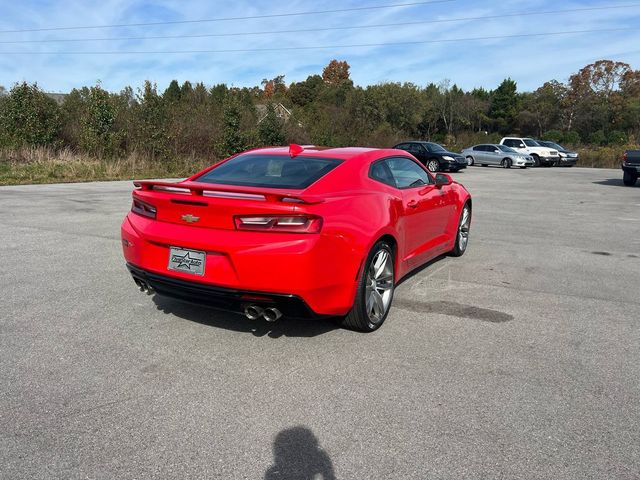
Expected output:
(425, 210)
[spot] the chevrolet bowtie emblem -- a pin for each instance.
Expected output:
(190, 218)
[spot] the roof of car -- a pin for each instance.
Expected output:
(340, 153)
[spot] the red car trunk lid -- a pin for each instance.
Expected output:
(214, 206)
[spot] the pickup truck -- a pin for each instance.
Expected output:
(631, 167)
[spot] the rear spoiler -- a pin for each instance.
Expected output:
(199, 189)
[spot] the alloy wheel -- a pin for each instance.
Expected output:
(379, 286)
(433, 166)
(463, 229)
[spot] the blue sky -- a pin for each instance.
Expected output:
(529, 60)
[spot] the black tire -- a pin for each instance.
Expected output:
(484, 165)
(458, 249)
(433, 165)
(523, 167)
(470, 161)
(629, 178)
(358, 318)
(536, 160)
(506, 163)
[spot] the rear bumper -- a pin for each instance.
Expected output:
(280, 265)
(228, 299)
(631, 168)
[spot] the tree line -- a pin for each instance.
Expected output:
(598, 105)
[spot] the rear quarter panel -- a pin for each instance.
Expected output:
(355, 217)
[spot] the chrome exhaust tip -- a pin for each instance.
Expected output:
(253, 312)
(272, 314)
(144, 286)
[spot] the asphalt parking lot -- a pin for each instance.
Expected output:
(517, 360)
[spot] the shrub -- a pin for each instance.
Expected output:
(571, 138)
(28, 117)
(598, 138)
(616, 137)
(554, 136)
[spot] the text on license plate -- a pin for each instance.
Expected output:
(187, 261)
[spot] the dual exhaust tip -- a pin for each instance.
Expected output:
(143, 286)
(254, 312)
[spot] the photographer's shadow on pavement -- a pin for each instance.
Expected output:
(298, 456)
(286, 327)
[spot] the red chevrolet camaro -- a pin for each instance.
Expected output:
(303, 232)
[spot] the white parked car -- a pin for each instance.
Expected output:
(542, 156)
(490, 154)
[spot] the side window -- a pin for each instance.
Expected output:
(511, 143)
(402, 146)
(416, 149)
(407, 173)
(380, 171)
(477, 148)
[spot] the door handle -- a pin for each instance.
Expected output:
(412, 204)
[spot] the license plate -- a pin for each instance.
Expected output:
(187, 261)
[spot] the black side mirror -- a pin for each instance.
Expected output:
(443, 179)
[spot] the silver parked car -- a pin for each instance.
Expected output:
(492, 154)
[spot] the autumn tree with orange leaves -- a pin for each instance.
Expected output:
(336, 72)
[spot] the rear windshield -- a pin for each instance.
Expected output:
(272, 171)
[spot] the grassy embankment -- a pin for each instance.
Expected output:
(41, 165)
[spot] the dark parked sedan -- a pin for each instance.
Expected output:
(567, 157)
(435, 157)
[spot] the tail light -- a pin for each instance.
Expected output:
(278, 223)
(142, 208)
(625, 158)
